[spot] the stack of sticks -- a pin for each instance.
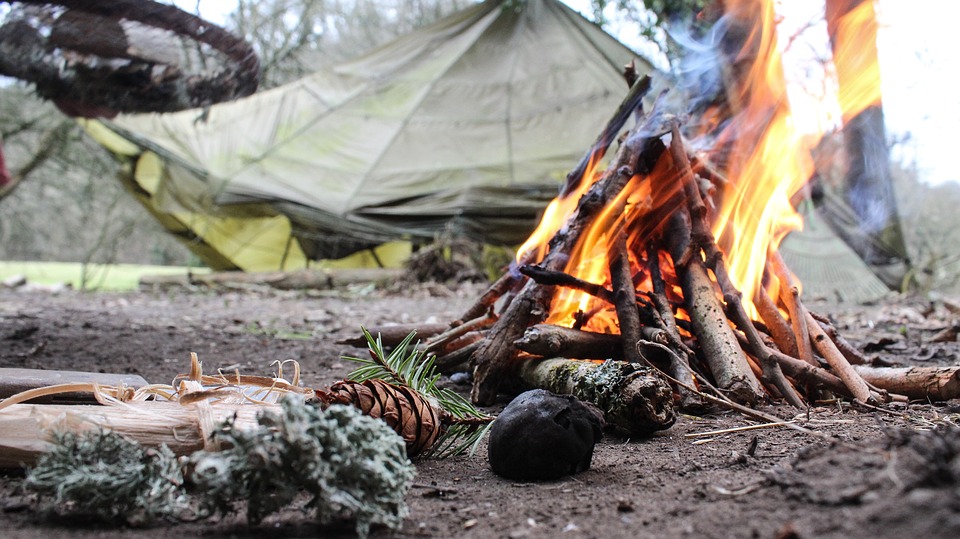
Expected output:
(666, 243)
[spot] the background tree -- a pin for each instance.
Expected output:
(296, 37)
(62, 202)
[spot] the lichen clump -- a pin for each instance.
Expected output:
(351, 464)
(102, 475)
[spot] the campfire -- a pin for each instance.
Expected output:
(668, 256)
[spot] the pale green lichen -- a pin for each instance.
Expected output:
(353, 466)
(104, 476)
(647, 407)
(561, 376)
(350, 463)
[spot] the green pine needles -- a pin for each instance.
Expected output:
(405, 365)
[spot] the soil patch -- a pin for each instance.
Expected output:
(890, 473)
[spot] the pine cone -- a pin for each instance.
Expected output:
(407, 412)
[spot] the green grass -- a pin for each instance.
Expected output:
(100, 276)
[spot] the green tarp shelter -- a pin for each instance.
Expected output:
(470, 123)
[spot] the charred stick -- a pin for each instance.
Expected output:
(702, 168)
(807, 374)
(559, 278)
(700, 233)
(662, 305)
(780, 330)
(854, 356)
(717, 340)
(772, 373)
(494, 354)
(548, 340)
(802, 371)
(393, 335)
(679, 358)
(680, 363)
(625, 296)
(630, 73)
(854, 382)
(490, 297)
(492, 359)
(790, 296)
(633, 100)
(439, 342)
(702, 239)
(456, 360)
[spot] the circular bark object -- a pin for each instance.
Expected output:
(123, 55)
(541, 435)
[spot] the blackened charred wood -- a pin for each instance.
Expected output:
(494, 354)
(492, 359)
(625, 296)
(633, 101)
(490, 297)
(559, 278)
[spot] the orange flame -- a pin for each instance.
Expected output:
(767, 161)
(556, 214)
(855, 56)
(770, 157)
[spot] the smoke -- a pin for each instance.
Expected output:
(699, 71)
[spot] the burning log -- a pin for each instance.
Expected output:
(717, 340)
(676, 255)
(531, 306)
(651, 220)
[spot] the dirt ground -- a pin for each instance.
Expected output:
(891, 473)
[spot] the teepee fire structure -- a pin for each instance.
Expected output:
(669, 255)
